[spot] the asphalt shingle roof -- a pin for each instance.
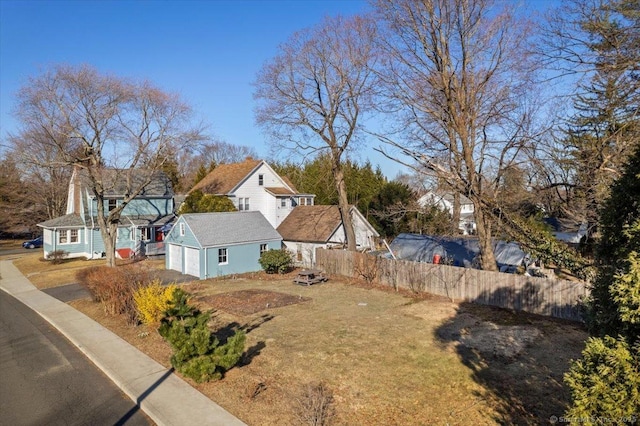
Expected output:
(310, 223)
(68, 220)
(115, 182)
(222, 228)
(225, 177)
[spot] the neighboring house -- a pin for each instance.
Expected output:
(209, 245)
(141, 222)
(254, 186)
(444, 201)
(310, 227)
(568, 231)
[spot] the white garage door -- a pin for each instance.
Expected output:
(192, 261)
(175, 257)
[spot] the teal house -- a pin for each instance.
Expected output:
(143, 219)
(208, 245)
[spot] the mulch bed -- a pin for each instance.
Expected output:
(248, 302)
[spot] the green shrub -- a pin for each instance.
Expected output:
(153, 300)
(605, 382)
(198, 354)
(276, 261)
(114, 287)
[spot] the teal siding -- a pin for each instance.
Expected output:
(73, 249)
(140, 207)
(96, 245)
(188, 240)
(156, 207)
(241, 258)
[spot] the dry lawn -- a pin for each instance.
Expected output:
(387, 357)
(44, 274)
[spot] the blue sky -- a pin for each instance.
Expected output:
(207, 51)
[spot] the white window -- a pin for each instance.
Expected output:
(222, 256)
(260, 180)
(146, 234)
(283, 202)
(306, 201)
(243, 204)
(182, 229)
(263, 248)
(112, 204)
(68, 236)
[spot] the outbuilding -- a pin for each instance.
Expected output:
(208, 245)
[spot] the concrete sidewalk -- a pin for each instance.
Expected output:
(164, 397)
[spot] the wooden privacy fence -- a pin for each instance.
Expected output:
(543, 296)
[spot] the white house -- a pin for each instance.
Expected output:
(444, 201)
(254, 186)
(311, 227)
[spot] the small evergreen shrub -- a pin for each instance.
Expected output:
(605, 382)
(152, 301)
(276, 261)
(198, 354)
(114, 287)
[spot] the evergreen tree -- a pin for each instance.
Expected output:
(605, 383)
(617, 258)
(198, 202)
(606, 126)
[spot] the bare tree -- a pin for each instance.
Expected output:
(209, 155)
(313, 94)
(458, 80)
(110, 127)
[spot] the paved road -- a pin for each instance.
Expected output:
(47, 381)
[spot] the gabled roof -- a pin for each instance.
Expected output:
(225, 228)
(225, 177)
(310, 223)
(314, 223)
(67, 221)
(114, 182)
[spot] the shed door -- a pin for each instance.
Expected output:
(175, 257)
(192, 261)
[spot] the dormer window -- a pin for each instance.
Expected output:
(260, 180)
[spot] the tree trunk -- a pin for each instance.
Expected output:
(109, 247)
(483, 223)
(455, 214)
(343, 206)
(109, 231)
(109, 236)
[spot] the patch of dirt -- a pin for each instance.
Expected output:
(248, 302)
